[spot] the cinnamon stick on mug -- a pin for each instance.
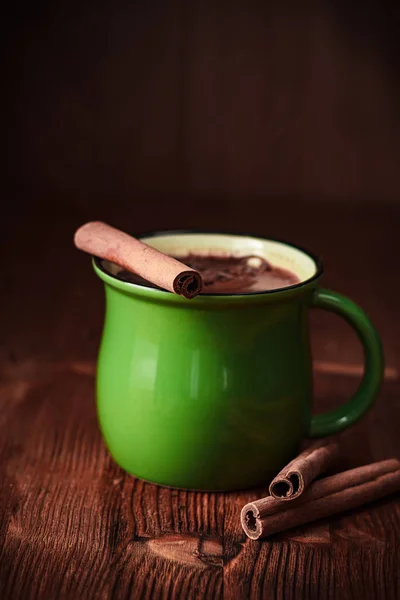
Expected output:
(104, 241)
(324, 498)
(291, 482)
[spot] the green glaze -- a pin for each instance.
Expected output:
(215, 393)
(346, 415)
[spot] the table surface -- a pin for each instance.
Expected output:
(73, 525)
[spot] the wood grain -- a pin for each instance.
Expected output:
(73, 525)
(154, 115)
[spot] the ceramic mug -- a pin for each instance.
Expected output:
(215, 393)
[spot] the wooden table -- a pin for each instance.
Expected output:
(73, 525)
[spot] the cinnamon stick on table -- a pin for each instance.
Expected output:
(104, 241)
(324, 498)
(291, 482)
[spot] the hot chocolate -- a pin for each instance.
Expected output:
(230, 274)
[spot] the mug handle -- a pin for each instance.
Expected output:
(344, 416)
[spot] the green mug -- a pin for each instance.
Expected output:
(215, 393)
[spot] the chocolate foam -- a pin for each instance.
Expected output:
(230, 274)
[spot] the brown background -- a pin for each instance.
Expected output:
(279, 118)
(204, 99)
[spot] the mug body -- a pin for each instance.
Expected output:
(213, 393)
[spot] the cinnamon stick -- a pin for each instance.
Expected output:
(324, 498)
(291, 482)
(104, 241)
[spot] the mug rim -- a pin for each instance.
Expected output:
(176, 232)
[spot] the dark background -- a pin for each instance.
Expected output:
(279, 118)
(185, 102)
